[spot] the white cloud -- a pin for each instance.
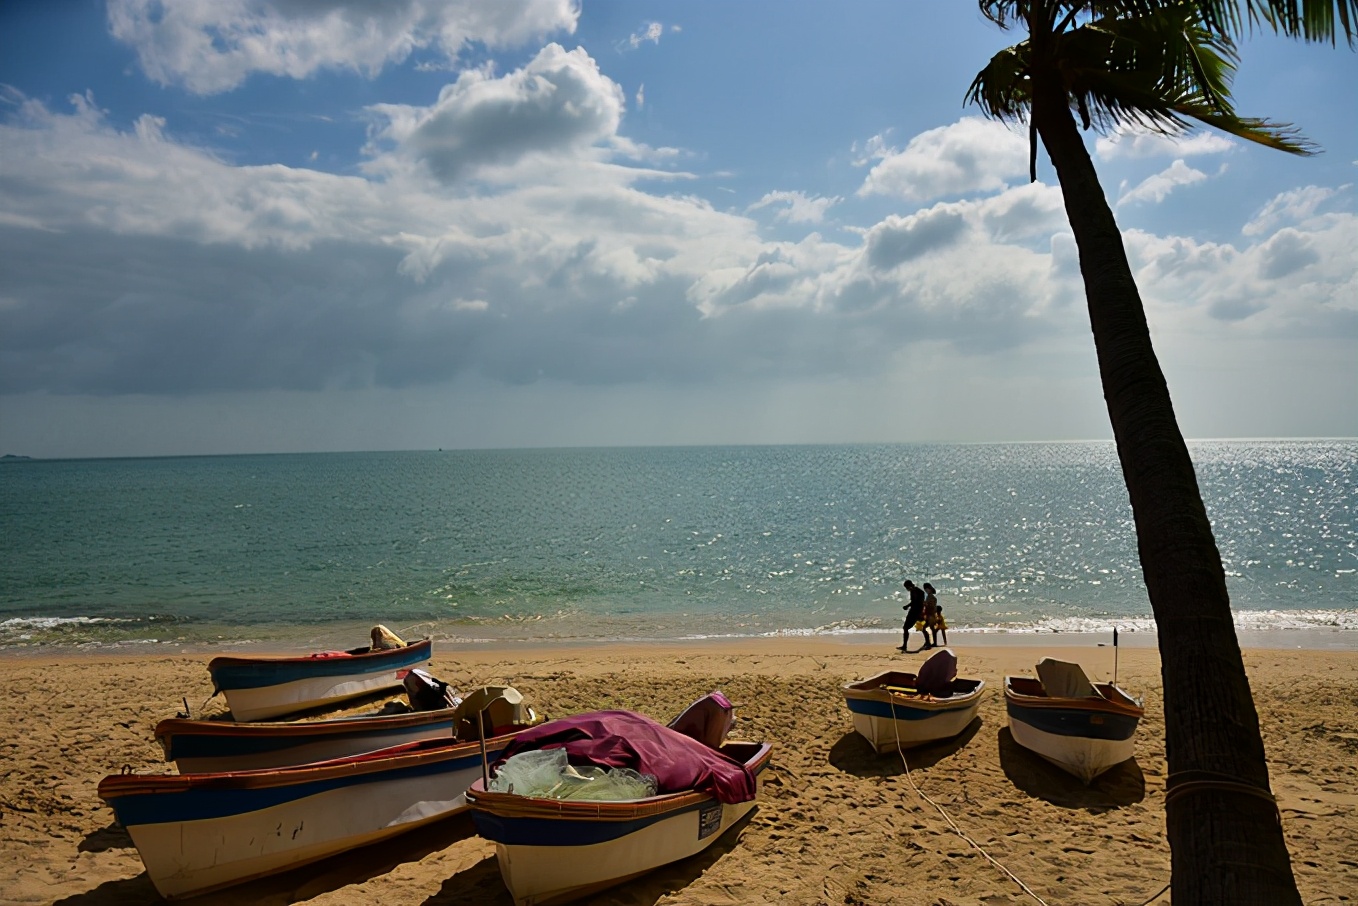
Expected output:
(134, 264)
(796, 207)
(1295, 206)
(971, 155)
(558, 103)
(651, 31)
(210, 46)
(1155, 189)
(1131, 143)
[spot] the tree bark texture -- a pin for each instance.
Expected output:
(1224, 832)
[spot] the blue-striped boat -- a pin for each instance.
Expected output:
(1081, 727)
(555, 851)
(260, 688)
(889, 710)
(201, 832)
(199, 746)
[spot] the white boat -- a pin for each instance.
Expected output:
(891, 710)
(202, 832)
(555, 851)
(202, 746)
(1081, 727)
(260, 688)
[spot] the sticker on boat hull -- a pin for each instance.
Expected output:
(709, 820)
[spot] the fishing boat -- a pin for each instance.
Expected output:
(201, 832)
(206, 746)
(1082, 727)
(899, 709)
(260, 688)
(556, 850)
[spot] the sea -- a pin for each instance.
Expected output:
(639, 544)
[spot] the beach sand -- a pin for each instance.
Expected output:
(836, 824)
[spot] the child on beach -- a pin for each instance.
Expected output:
(940, 626)
(928, 617)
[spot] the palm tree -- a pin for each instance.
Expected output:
(1163, 65)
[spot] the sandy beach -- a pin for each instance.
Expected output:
(836, 824)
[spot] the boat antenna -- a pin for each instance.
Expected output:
(1115, 655)
(481, 733)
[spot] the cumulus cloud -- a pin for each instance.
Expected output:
(1134, 143)
(1286, 252)
(1294, 283)
(133, 263)
(796, 207)
(558, 102)
(1295, 206)
(898, 240)
(971, 155)
(210, 46)
(1157, 188)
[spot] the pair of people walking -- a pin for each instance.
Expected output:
(923, 614)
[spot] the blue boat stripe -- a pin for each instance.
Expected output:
(264, 673)
(900, 711)
(565, 831)
(225, 800)
(1078, 722)
(213, 745)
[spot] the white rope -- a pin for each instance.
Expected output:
(895, 729)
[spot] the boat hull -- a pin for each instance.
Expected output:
(552, 851)
(264, 688)
(1082, 736)
(201, 746)
(202, 832)
(887, 719)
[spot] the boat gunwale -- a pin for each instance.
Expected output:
(393, 758)
(1084, 703)
(513, 805)
(860, 690)
(232, 660)
(185, 726)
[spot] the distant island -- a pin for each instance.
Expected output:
(12, 456)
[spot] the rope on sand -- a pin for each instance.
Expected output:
(946, 817)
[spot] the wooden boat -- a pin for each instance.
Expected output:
(197, 746)
(554, 851)
(201, 832)
(890, 709)
(259, 688)
(1081, 727)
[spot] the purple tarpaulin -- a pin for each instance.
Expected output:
(625, 739)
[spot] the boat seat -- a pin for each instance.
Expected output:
(500, 707)
(707, 720)
(936, 674)
(1062, 679)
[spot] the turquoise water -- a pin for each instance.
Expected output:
(647, 543)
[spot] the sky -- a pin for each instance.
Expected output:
(254, 226)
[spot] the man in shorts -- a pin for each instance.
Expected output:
(914, 612)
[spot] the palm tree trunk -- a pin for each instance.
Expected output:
(1224, 831)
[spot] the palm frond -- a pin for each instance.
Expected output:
(1162, 69)
(1002, 89)
(1310, 20)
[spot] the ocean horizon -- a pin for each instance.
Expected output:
(642, 544)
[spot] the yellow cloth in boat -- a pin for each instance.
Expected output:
(1062, 679)
(385, 640)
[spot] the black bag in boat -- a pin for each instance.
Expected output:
(425, 692)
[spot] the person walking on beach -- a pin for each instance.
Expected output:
(914, 612)
(929, 617)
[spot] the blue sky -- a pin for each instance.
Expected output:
(260, 226)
